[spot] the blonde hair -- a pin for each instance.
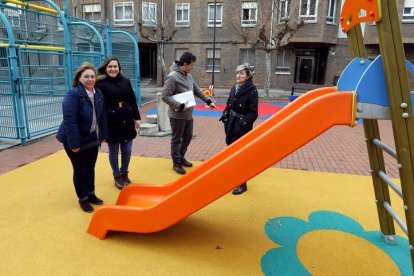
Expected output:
(249, 70)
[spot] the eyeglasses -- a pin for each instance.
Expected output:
(88, 77)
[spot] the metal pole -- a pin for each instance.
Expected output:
(214, 42)
(271, 24)
(162, 43)
(65, 7)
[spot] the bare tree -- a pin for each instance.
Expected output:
(269, 36)
(159, 32)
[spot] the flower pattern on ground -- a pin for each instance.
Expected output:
(287, 231)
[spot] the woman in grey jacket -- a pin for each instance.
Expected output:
(179, 80)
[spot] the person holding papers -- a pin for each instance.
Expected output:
(178, 92)
(241, 110)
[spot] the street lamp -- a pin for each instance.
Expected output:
(214, 44)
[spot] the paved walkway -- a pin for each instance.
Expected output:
(339, 150)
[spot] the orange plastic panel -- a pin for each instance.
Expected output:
(357, 11)
(150, 208)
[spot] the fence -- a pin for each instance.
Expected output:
(40, 47)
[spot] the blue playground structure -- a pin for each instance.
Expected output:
(40, 48)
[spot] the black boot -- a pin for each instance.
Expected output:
(239, 190)
(119, 182)
(126, 178)
(185, 163)
(92, 198)
(86, 206)
(178, 168)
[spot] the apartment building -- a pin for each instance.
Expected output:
(300, 43)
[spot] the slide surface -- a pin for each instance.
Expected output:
(151, 208)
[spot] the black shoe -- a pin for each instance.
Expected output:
(86, 206)
(92, 198)
(185, 163)
(178, 169)
(119, 182)
(239, 190)
(126, 178)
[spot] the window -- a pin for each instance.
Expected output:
(331, 16)
(13, 14)
(4, 63)
(249, 14)
(179, 52)
(219, 15)
(284, 9)
(92, 12)
(182, 15)
(209, 60)
(124, 13)
(308, 10)
(283, 62)
(408, 12)
(247, 56)
(40, 22)
(149, 14)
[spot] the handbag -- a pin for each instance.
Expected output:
(89, 142)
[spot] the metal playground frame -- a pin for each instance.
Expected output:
(40, 48)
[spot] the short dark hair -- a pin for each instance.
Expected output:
(186, 58)
(102, 69)
(84, 66)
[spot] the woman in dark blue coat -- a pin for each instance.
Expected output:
(83, 128)
(241, 110)
(123, 117)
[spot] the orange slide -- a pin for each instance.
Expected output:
(151, 208)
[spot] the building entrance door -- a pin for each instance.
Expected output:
(148, 61)
(305, 69)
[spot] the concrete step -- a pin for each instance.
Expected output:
(147, 129)
(152, 119)
(152, 130)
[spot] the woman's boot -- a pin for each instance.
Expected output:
(126, 178)
(241, 189)
(119, 181)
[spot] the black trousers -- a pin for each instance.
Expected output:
(83, 164)
(182, 133)
(230, 139)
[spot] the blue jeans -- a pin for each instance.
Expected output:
(126, 148)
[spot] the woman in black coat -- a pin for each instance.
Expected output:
(122, 114)
(241, 109)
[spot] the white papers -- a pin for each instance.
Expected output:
(185, 97)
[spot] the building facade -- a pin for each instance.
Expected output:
(301, 40)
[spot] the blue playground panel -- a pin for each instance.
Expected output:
(410, 67)
(352, 74)
(367, 79)
(372, 87)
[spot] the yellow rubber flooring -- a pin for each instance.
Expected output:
(43, 230)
